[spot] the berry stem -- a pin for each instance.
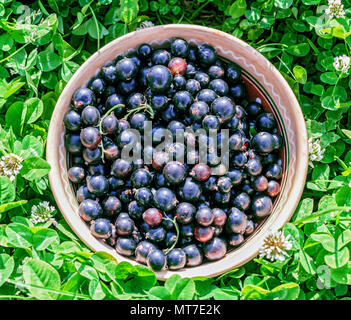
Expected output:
(177, 232)
(145, 107)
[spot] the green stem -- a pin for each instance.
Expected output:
(177, 232)
(322, 212)
(197, 11)
(145, 107)
(14, 53)
(96, 26)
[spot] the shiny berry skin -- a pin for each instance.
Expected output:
(179, 82)
(237, 221)
(250, 228)
(176, 259)
(144, 51)
(254, 167)
(73, 144)
(90, 137)
(221, 198)
(204, 216)
(237, 91)
(127, 137)
(185, 212)
(72, 120)
(83, 97)
(273, 188)
(179, 47)
(223, 108)
(190, 190)
(174, 172)
(198, 110)
(211, 184)
(101, 228)
(153, 217)
(177, 66)
(98, 86)
(109, 74)
(92, 156)
(111, 206)
(187, 230)
(141, 178)
(216, 72)
(127, 87)
(262, 206)
(235, 176)
(242, 201)
(143, 196)
(114, 100)
(126, 69)
(157, 234)
(219, 86)
(109, 124)
(135, 210)
(90, 116)
(240, 159)
(193, 86)
(215, 249)
(265, 122)
(159, 78)
(76, 174)
(235, 239)
(159, 102)
(165, 199)
(278, 141)
(111, 152)
(124, 226)
(206, 54)
(224, 184)
(83, 193)
(253, 109)
(207, 95)
(121, 168)
(193, 255)
(170, 240)
(125, 246)
(142, 251)
(200, 172)
(97, 185)
(274, 171)
(210, 122)
(89, 210)
(159, 160)
(233, 74)
(203, 78)
(260, 183)
(236, 141)
(156, 260)
(190, 70)
(135, 100)
(182, 100)
(161, 57)
(263, 142)
(219, 217)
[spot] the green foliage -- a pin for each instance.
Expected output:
(41, 48)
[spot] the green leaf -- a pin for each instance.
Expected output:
(338, 259)
(304, 209)
(237, 9)
(343, 196)
(7, 190)
(11, 205)
(299, 50)
(252, 292)
(128, 10)
(7, 265)
(307, 262)
(286, 291)
(283, 4)
(6, 42)
(329, 77)
(342, 275)
(95, 290)
(325, 239)
(344, 239)
(34, 109)
(41, 278)
(159, 293)
(184, 289)
(31, 146)
(43, 238)
(86, 271)
(48, 61)
(34, 168)
(295, 234)
(19, 235)
(300, 74)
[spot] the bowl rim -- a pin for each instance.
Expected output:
(250, 248)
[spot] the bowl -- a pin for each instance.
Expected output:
(263, 82)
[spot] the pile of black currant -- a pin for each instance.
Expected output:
(164, 212)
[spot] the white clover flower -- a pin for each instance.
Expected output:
(275, 246)
(342, 63)
(10, 165)
(41, 212)
(145, 24)
(335, 9)
(315, 151)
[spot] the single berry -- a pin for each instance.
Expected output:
(176, 259)
(89, 210)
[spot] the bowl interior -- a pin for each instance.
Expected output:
(256, 90)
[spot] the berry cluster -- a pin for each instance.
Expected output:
(166, 212)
